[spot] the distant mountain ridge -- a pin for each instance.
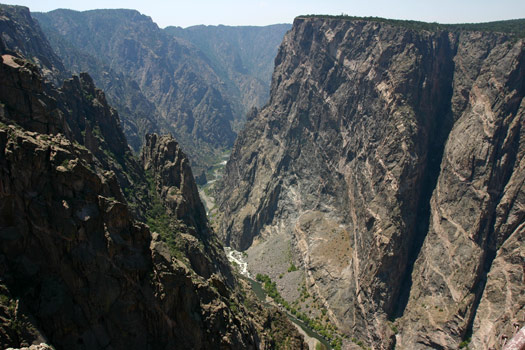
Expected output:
(177, 88)
(184, 92)
(243, 56)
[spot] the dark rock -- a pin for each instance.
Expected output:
(163, 157)
(22, 34)
(391, 158)
(78, 270)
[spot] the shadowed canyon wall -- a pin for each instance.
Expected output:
(79, 268)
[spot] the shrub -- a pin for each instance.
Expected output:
(464, 343)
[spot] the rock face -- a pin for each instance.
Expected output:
(78, 270)
(20, 33)
(88, 273)
(38, 106)
(242, 56)
(392, 159)
(176, 185)
(195, 83)
(138, 115)
(172, 179)
(171, 74)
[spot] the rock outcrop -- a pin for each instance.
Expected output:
(174, 180)
(171, 178)
(37, 106)
(391, 157)
(78, 270)
(20, 33)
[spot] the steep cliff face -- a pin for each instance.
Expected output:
(163, 157)
(172, 74)
(169, 168)
(242, 56)
(476, 212)
(196, 83)
(20, 33)
(171, 177)
(392, 160)
(39, 106)
(138, 115)
(78, 270)
(76, 265)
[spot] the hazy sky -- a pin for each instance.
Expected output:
(263, 12)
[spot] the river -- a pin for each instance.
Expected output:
(312, 338)
(236, 258)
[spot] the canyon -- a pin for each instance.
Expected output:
(100, 250)
(375, 185)
(171, 80)
(388, 166)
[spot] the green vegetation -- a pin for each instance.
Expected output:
(9, 306)
(168, 228)
(320, 346)
(292, 268)
(233, 307)
(464, 343)
(270, 287)
(304, 293)
(97, 132)
(130, 193)
(5, 300)
(394, 329)
(213, 174)
(156, 216)
(207, 190)
(323, 328)
(515, 27)
(75, 143)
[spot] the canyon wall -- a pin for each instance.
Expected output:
(99, 250)
(391, 157)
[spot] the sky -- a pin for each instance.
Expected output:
(265, 12)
